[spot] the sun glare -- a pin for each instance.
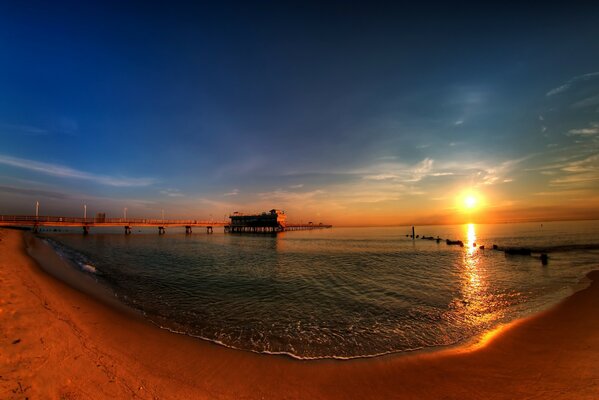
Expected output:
(470, 202)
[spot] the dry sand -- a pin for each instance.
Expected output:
(58, 343)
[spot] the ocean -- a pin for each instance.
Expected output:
(336, 293)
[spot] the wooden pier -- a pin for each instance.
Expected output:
(35, 222)
(238, 224)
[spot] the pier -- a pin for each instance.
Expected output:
(35, 222)
(259, 223)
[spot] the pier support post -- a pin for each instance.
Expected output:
(127, 230)
(209, 229)
(36, 228)
(85, 229)
(161, 230)
(188, 230)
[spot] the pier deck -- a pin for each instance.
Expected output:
(85, 223)
(127, 223)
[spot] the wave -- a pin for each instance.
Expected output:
(73, 257)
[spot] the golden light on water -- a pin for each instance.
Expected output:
(471, 237)
(474, 286)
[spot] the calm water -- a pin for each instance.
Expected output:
(342, 292)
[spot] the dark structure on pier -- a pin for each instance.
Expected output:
(273, 221)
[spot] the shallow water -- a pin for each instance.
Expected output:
(341, 292)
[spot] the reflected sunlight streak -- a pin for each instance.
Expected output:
(474, 286)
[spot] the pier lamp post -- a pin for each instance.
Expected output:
(37, 209)
(162, 215)
(125, 213)
(85, 211)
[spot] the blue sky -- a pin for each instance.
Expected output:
(345, 112)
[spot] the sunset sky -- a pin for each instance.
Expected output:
(348, 113)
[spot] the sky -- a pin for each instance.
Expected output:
(350, 113)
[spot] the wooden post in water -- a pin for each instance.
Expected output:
(413, 233)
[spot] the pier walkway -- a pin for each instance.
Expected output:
(35, 222)
(85, 223)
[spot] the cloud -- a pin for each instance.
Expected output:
(398, 172)
(580, 173)
(570, 82)
(234, 192)
(589, 101)
(558, 89)
(70, 173)
(593, 130)
(26, 130)
(298, 186)
(422, 169)
(35, 192)
(287, 196)
(172, 193)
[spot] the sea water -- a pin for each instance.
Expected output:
(336, 293)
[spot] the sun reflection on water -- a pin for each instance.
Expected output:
(475, 286)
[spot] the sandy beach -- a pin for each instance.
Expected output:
(58, 343)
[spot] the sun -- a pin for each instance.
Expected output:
(470, 202)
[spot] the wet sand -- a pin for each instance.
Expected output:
(58, 343)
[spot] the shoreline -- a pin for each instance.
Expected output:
(58, 342)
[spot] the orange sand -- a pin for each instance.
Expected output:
(58, 343)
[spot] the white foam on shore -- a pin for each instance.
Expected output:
(88, 268)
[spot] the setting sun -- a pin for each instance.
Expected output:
(470, 202)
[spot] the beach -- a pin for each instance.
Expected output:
(59, 342)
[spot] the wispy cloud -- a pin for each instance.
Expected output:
(579, 173)
(558, 89)
(70, 173)
(593, 130)
(410, 175)
(172, 193)
(233, 192)
(26, 130)
(290, 197)
(589, 101)
(568, 84)
(35, 192)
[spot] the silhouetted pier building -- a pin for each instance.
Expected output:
(267, 222)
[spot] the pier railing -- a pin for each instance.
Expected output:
(46, 220)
